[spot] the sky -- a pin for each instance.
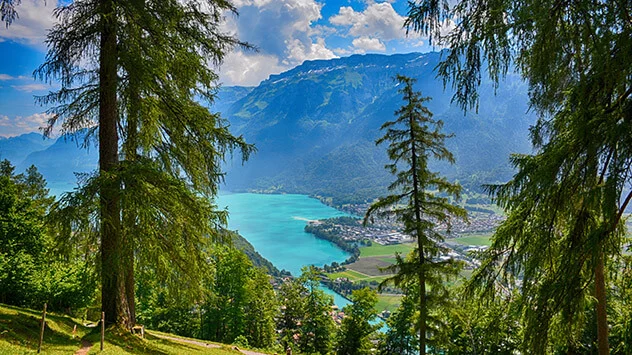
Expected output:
(285, 33)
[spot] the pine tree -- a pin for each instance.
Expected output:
(566, 202)
(413, 138)
(150, 68)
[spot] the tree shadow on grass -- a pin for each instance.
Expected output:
(21, 327)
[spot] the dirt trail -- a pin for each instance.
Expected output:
(85, 347)
(200, 343)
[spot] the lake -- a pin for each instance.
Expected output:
(274, 225)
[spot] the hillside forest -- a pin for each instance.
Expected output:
(141, 237)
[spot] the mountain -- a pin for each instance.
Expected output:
(15, 149)
(60, 161)
(315, 126)
(228, 95)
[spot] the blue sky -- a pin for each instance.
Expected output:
(286, 33)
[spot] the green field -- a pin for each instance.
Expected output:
(474, 239)
(370, 266)
(385, 250)
(354, 276)
(350, 274)
(388, 302)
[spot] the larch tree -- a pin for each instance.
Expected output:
(138, 72)
(567, 200)
(8, 13)
(413, 138)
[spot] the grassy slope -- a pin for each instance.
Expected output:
(19, 334)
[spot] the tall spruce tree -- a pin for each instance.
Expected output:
(136, 70)
(420, 199)
(566, 202)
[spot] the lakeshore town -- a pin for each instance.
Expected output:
(386, 232)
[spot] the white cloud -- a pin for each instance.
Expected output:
(10, 127)
(282, 32)
(378, 20)
(364, 44)
(4, 77)
(299, 52)
(35, 19)
(248, 69)
(30, 87)
(342, 51)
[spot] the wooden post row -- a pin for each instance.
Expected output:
(41, 339)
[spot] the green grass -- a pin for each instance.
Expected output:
(356, 276)
(19, 334)
(474, 239)
(350, 274)
(385, 250)
(20, 329)
(388, 302)
(122, 342)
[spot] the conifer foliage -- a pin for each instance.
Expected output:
(567, 200)
(420, 199)
(137, 72)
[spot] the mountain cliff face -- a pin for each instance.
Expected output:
(315, 126)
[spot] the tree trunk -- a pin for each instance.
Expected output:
(129, 211)
(423, 307)
(423, 310)
(602, 317)
(113, 295)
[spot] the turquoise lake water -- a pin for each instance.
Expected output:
(274, 225)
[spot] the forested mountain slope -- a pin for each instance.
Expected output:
(315, 126)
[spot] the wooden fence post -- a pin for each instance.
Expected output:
(41, 339)
(102, 329)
